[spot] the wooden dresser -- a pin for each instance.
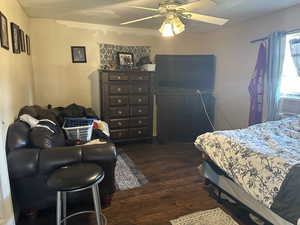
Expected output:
(127, 104)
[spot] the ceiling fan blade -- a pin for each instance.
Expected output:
(207, 19)
(142, 19)
(145, 8)
(199, 4)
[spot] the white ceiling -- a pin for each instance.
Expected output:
(113, 12)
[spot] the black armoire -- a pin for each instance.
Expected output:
(181, 115)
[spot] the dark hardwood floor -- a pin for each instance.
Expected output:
(175, 189)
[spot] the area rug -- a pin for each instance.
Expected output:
(209, 217)
(127, 176)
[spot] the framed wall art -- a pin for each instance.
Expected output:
(28, 48)
(125, 59)
(4, 32)
(15, 38)
(78, 54)
(22, 41)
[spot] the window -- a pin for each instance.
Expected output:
(290, 84)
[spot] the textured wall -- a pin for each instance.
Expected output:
(108, 52)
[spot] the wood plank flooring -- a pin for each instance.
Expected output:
(175, 189)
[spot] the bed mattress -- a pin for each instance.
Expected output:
(263, 159)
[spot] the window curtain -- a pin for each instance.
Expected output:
(256, 86)
(295, 50)
(276, 50)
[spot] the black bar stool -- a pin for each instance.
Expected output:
(73, 178)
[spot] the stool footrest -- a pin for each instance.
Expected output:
(103, 217)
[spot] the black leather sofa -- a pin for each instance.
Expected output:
(29, 168)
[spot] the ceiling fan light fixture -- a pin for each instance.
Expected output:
(172, 27)
(178, 26)
(167, 29)
(175, 10)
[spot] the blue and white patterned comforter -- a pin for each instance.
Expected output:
(258, 158)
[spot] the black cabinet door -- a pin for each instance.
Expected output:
(181, 118)
(171, 121)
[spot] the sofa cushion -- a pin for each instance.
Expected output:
(41, 137)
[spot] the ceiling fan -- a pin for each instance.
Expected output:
(174, 11)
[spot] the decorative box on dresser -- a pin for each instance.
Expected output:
(127, 104)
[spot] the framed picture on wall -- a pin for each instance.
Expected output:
(78, 54)
(4, 32)
(22, 41)
(15, 38)
(125, 59)
(28, 48)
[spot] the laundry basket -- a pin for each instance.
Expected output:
(78, 128)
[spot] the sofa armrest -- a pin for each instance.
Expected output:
(23, 162)
(105, 153)
(30, 162)
(106, 157)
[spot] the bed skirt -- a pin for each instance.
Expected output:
(208, 171)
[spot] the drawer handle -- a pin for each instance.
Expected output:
(120, 112)
(140, 110)
(120, 123)
(140, 132)
(140, 78)
(140, 122)
(140, 89)
(119, 77)
(119, 100)
(119, 89)
(139, 100)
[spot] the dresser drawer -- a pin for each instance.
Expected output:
(138, 122)
(118, 89)
(139, 132)
(119, 134)
(118, 100)
(139, 77)
(139, 89)
(118, 123)
(118, 77)
(138, 100)
(139, 111)
(116, 112)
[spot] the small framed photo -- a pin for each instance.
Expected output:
(22, 41)
(4, 32)
(125, 59)
(78, 54)
(28, 48)
(15, 38)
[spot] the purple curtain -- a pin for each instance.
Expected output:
(256, 86)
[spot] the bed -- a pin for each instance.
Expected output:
(260, 167)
